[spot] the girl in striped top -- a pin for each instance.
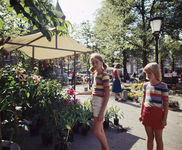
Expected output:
(154, 107)
(100, 96)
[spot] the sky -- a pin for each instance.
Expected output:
(77, 11)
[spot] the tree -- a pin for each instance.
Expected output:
(37, 13)
(10, 24)
(109, 35)
(174, 48)
(83, 33)
(171, 10)
(130, 18)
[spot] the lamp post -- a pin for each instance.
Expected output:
(155, 24)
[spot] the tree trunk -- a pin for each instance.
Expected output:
(112, 62)
(144, 58)
(124, 65)
(173, 65)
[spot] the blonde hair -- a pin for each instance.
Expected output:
(99, 57)
(154, 67)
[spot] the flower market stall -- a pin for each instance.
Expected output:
(38, 47)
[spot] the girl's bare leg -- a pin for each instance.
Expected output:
(158, 138)
(115, 96)
(99, 133)
(120, 94)
(150, 137)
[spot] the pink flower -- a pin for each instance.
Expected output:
(35, 77)
(70, 91)
(76, 100)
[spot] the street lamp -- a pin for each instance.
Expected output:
(155, 24)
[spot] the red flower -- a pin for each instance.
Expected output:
(70, 91)
(46, 64)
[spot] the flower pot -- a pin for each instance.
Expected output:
(75, 128)
(46, 139)
(106, 124)
(116, 121)
(9, 145)
(34, 131)
(135, 100)
(176, 108)
(61, 146)
(84, 131)
(71, 136)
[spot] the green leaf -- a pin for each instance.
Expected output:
(3, 107)
(1, 23)
(35, 28)
(28, 95)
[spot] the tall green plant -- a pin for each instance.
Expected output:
(117, 112)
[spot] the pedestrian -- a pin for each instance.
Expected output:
(154, 108)
(84, 80)
(116, 85)
(174, 77)
(100, 96)
(74, 74)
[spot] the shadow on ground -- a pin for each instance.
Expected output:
(118, 138)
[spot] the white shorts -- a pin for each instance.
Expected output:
(96, 105)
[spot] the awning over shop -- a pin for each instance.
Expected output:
(60, 46)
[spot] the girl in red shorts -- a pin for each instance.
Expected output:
(154, 107)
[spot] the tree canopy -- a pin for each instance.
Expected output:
(37, 13)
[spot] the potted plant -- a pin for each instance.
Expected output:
(108, 115)
(31, 106)
(118, 114)
(10, 91)
(70, 120)
(84, 119)
(87, 104)
(62, 131)
(49, 100)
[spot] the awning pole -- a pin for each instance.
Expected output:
(56, 40)
(32, 58)
(74, 70)
(89, 72)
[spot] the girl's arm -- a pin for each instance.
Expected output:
(112, 76)
(164, 119)
(104, 104)
(118, 72)
(83, 93)
(142, 106)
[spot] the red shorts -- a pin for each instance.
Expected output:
(152, 117)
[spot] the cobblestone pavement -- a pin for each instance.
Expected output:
(133, 139)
